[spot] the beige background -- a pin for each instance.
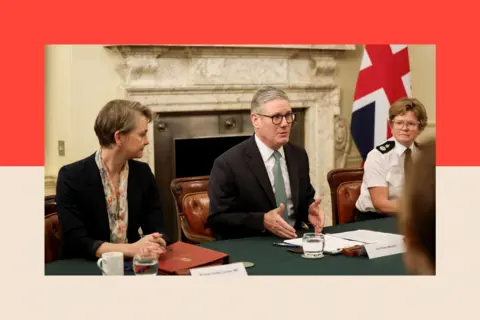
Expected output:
(448, 295)
(80, 79)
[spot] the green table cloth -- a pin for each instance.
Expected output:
(273, 260)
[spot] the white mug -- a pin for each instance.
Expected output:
(111, 264)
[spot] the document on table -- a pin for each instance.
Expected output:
(369, 236)
(331, 243)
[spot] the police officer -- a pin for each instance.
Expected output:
(387, 166)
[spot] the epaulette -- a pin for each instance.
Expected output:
(386, 147)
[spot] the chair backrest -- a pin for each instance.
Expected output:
(335, 178)
(50, 204)
(53, 237)
(192, 205)
(347, 195)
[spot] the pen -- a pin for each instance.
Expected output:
(166, 248)
(283, 244)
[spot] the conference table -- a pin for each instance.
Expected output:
(274, 260)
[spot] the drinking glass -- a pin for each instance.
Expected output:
(145, 264)
(313, 245)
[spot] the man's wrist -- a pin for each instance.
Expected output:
(263, 229)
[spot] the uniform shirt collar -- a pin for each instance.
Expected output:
(400, 148)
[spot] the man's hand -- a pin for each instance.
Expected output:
(274, 222)
(316, 216)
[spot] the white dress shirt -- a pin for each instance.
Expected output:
(383, 170)
(269, 161)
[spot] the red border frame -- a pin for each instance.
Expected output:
(27, 27)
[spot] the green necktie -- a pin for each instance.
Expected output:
(280, 193)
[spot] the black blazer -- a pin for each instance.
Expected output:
(82, 208)
(240, 191)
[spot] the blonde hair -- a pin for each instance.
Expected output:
(403, 105)
(118, 115)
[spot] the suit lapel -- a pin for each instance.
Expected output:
(255, 162)
(98, 195)
(293, 174)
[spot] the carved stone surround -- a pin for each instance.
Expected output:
(211, 78)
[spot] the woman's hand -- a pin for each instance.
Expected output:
(153, 242)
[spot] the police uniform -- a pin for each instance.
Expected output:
(384, 167)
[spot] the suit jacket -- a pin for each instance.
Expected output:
(240, 191)
(82, 208)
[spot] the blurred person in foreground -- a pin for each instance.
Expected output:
(102, 200)
(387, 166)
(262, 185)
(417, 217)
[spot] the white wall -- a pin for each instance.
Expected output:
(79, 81)
(422, 64)
(58, 60)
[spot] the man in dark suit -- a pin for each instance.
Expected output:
(262, 185)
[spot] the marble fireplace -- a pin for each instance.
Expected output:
(201, 97)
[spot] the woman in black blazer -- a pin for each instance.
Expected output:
(102, 200)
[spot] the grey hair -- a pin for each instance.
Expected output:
(264, 95)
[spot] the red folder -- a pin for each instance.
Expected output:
(184, 256)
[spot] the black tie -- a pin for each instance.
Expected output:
(408, 164)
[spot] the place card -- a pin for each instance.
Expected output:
(383, 249)
(232, 269)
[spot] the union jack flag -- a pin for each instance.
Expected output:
(384, 78)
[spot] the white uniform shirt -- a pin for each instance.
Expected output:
(383, 168)
(269, 161)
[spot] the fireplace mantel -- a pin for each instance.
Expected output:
(186, 78)
(342, 47)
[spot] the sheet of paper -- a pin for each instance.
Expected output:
(331, 243)
(369, 236)
(232, 269)
(334, 243)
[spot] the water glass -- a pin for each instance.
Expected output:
(313, 245)
(145, 264)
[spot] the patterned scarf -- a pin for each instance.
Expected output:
(117, 205)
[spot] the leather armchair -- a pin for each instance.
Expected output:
(50, 204)
(347, 195)
(345, 184)
(53, 237)
(192, 205)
